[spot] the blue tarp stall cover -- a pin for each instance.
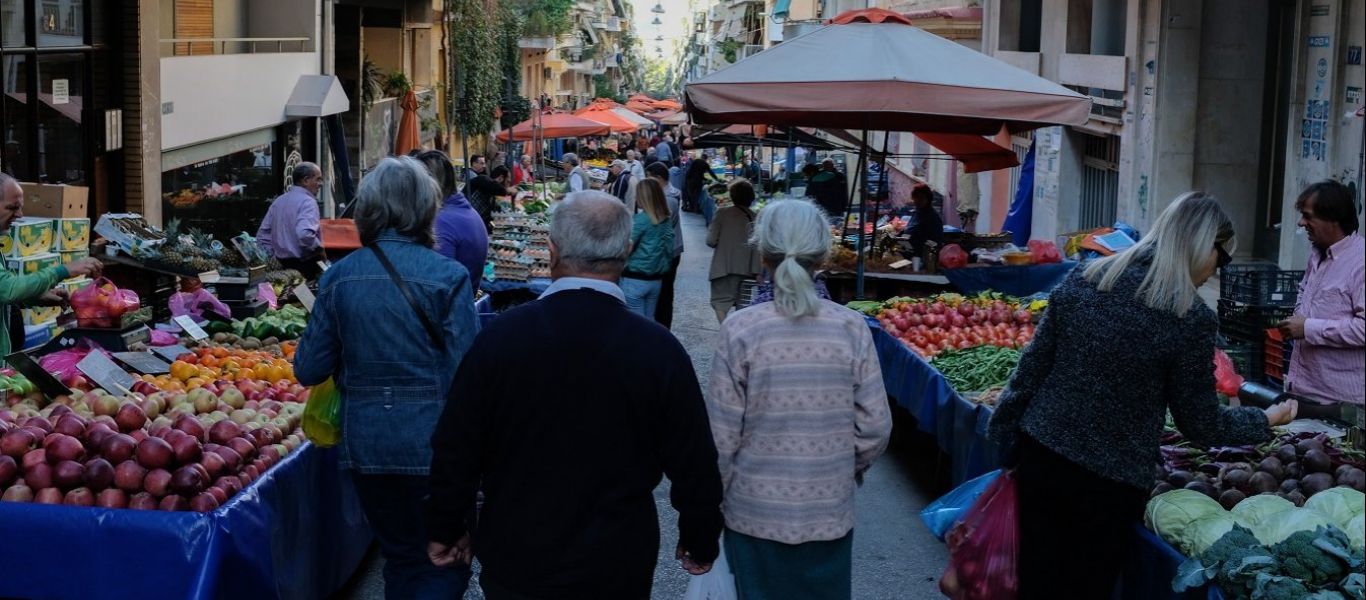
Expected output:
(297, 532)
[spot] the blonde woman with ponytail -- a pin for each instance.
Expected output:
(798, 413)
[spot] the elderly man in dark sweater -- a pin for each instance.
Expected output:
(569, 452)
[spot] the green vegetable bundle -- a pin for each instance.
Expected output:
(978, 368)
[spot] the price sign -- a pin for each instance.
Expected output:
(105, 373)
(305, 296)
(191, 328)
(142, 362)
(170, 353)
(210, 276)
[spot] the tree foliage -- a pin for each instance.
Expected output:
(478, 69)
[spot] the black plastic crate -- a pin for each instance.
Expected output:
(1248, 323)
(1260, 286)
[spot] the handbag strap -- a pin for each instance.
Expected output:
(427, 324)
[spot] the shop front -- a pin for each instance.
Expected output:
(59, 112)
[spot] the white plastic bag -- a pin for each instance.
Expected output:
(716, 584)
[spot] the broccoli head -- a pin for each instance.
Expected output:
(1301, 559)
(1272, 587)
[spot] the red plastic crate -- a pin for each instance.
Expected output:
(1276, 356)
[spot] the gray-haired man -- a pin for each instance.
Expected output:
(289, 230)
(598, 445)
(578, 179)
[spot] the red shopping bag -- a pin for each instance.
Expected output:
(1226, 377)
(984, 548)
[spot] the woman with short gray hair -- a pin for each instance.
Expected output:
(798, 412)
(390, 324)
(1084, 439)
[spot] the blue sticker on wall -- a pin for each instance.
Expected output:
(1318, 41)
(1354, 55)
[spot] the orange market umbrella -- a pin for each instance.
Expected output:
(555, 126)
(667, 105)
(640, 107)
(407, 138)
(603, 113)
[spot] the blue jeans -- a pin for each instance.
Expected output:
(642, 296)
(393, 506)
(707, 204)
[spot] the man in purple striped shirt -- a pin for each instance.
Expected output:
(1329, 324)
(289, 231)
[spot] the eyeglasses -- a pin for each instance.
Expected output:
(1223, 259)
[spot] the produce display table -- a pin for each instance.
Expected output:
(535, 286)
(1021, 281)
(959, 425)
(297, 532)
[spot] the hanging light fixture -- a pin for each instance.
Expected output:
(659, 8)
(659, 38)
(656, 21)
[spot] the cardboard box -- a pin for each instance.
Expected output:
(40, 315)
(55, 201)
(73, 284)
(29, 236)
(29, 265)
(73, 256)
(73, 234)
(37, 335)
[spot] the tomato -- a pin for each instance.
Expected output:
(964, 344)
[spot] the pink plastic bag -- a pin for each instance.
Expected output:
(984, 548)
(195, 303)
(1226, 377)
(1044, 252)
(62, 363)
(952, 256)
(266, 291)
(102, 304)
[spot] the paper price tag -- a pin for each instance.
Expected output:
(191, 328)
(900, 264)
(170, 353)
(105, 373)
(305, 296)
(142, 362)
(209, 276)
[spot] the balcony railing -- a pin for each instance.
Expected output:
(196, 46)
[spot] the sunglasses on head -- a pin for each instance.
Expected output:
(1224, 258)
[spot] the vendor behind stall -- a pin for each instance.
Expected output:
(289, 231)
(1328, 325)
(35, 289)
(929, 226)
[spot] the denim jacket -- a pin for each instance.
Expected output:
(364, 334)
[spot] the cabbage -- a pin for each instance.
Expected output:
(1256, 509)
(1338, 505)
(1283, 524)
(1356, 532)
(1187, 519)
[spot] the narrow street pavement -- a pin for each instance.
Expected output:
(895, 557)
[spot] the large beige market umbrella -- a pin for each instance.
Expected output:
(890, 76)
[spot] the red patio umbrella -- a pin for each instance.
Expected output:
(407, 139)
(554, 126)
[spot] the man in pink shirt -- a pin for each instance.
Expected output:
(1329, 324)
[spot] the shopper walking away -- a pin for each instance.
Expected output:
(289, 231)
(675, 151)
(664, 310)
(794, 442)
(634, 166)
(393, 355)
(622, 185)
(695, 187)
(1329, 324)
(577, 179)
(652, 250)
(1139, 309)
(568, 463)
(664, 150)
(460, 232)
(734, 259)
(34, 289)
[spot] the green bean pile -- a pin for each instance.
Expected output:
(978, 368)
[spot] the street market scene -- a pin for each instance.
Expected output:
(698, 300)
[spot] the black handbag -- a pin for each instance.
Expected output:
(427, 324)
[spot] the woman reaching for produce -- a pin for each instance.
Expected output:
(1122, 342)
(390, 325)
(798, 412)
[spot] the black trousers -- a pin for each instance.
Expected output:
(664, 309)
(1076, 527)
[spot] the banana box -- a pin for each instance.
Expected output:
(73, 284)
(29, 265)
(74, 255)
(73, 235)
(39, 315)
(28, 236)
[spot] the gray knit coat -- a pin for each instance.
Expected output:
(1103, 369)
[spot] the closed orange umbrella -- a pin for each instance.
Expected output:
(407, 139)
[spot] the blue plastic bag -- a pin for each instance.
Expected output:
(942, 514)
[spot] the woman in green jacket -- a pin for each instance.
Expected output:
(35, 289)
